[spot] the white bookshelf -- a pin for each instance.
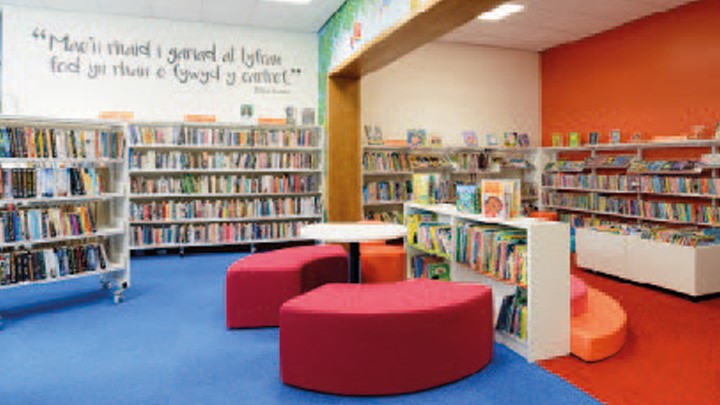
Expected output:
(548, 287)
(108, 208)
(182, 139)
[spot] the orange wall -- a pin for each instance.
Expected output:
(659, 75)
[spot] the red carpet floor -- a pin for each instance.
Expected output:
(672, 354)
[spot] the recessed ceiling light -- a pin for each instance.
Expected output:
(291, 1)
(501, 11)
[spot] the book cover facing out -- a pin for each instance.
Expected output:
(615, 136)
(500, 198)
(574, 139)
(557, 139)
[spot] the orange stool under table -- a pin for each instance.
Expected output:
(382, 263)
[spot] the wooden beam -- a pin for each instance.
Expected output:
(436, 19)
(344, 182)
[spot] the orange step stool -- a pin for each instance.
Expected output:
(382, 263)
(598, 327)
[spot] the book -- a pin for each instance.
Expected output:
(557, 139)
(467, 198)
(491, 140)
(574, 139)
(416, 138)
(511, 139)
(593, 138)
(615, 136)
(523, 140)
(373, 135)
(500, 198)
(470, 139)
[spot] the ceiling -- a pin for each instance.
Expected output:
(548, 23)
(257, 13)
(542, 25)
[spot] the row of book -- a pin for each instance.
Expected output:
(251, 137)
(591, 182)
(388, 216)
(512, 316)
(429, 235)
(39, 224)
(47, 264)
(472, 161)
(51, 143)
(224, 184)
(636, 183)
(495, 251)
(432, 267)
(222, 160)
(387, 191)
(215, 233)
(565, 166)
(431, 188)
(50, 182)
(225, 208)
(682, 237)
(384, 161)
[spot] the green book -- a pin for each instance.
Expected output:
(574, 139)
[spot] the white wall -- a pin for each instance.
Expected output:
(51, 60)
(450, 88)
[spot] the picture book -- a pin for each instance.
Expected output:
(593, 138)
(500, 198)
(615, 136)
(438, 271)
(510, 139)
(308, 116)
(421, 188)
(470, 138)
(416, 138)
(467, 198)
(436, 141)
(523, 140)
(574, 139)
(491, 140)
(557, 139)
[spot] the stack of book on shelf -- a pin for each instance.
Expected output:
(431, 188)
(432, 267)
(513, 314)
(215, 233)
(609, 162)
(20, 225)
(50, 182)
(497, 252)
(385, 161)
(565, 166)
(221, 160)
(389, 216)
(235, 137)
(224, 184)
(616, 205)
(664, 166)
(47, 143)
(47, 264)
(387, 191)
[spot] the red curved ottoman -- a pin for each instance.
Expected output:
(382, 339)
(257, 285)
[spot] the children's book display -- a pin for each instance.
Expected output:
(513, 314)
(373, 135)
(573, 139)
(266, 183)
(432, 267)
(385, 161)
(431, 188)
(63, 202)
(470, 139)
(496, 251)
(467, 198)
(500, 198)
(387, 191)
(417, 138)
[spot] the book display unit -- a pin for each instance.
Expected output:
(63, 202)
(195, 185)
(641, 217)
(525, 261)
(390, 171)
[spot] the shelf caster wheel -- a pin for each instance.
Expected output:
(118, 298)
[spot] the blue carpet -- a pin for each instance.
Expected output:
(67, 343)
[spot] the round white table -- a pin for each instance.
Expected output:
(352, 233)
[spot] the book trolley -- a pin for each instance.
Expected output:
(63, 202)
(539, 276)
(638, 217)
(214, 184)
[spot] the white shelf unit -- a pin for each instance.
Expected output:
(108, 208)
(194, 159)
(548, 287)
(686, 269)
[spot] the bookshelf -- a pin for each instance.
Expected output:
(222, 184)
(621, 195)
(544, 288)
(63, 202)
(388, 171)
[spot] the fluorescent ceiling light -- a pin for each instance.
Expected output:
(501, 11)
(291, 1)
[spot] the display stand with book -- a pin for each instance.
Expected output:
(526, 262)
(640, 217)
(217, 184)
(63, 202)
